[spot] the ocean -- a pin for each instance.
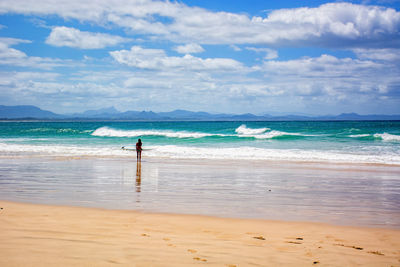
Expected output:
(311, 141)
(342, 172)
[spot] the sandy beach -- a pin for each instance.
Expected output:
(45, 235)
(93, 211)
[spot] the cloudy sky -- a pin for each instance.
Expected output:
(258, 56)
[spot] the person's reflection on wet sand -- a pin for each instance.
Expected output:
(138, 176)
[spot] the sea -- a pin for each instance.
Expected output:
(340, 172)
(316, 141)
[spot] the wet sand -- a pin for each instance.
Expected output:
(339, 194)
(44, 235)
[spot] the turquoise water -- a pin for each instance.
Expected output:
(350, 141)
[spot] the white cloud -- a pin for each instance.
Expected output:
(189, 49)
(13, 41)
(269, 53)
(235, 48)
(385, 54)
(306, 83)
(331, 77)
(157, 59)
(323, 66)
(329, 25)
(14, 57)
(64, 36)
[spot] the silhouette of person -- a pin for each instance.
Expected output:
(139, 150)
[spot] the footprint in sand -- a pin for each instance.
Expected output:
(297, 242)
(192, 250)
(376, 253)
(199, 259)
(294, 242)
(342, 245)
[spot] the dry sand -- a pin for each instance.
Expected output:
(42, 235)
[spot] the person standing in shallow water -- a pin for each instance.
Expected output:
(139, 150)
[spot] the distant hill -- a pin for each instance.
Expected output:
(104, 112)
(26, 112)
(111, 113)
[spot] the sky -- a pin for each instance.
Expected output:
(254, 56)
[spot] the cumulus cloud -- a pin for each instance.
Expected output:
(385, 54)
(329, 76)
(318, 82)
(269, 53)
(64, 36)
(157, 59)
(189, 49)
(14, 57)
(329, 25)
(323, 66)
(338, 23)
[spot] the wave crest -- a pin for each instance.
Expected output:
(262, 133)
(388, 137)
(106, 131)
(243, 130)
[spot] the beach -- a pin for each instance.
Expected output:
(45, 235)
(117, 215)
(294, 194)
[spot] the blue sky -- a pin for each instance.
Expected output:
(309, 57)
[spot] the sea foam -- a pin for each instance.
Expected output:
(263, 133)
(110, 132)
(388, 137)
(188, 152)
(242, 131)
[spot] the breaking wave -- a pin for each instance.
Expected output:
(384, 137)
(388, 137)
(242, 131)
(106, 131)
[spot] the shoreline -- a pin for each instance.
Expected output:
(49, 235)
(178, 152)
(274, 162)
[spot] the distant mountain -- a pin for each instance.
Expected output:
(355, 117)
(98, 113)
(185, 114)
(27, 112)
(111, 113)
(140, 115)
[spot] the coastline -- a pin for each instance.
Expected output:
(47, 235)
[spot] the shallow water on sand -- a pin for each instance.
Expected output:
(362, 195)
